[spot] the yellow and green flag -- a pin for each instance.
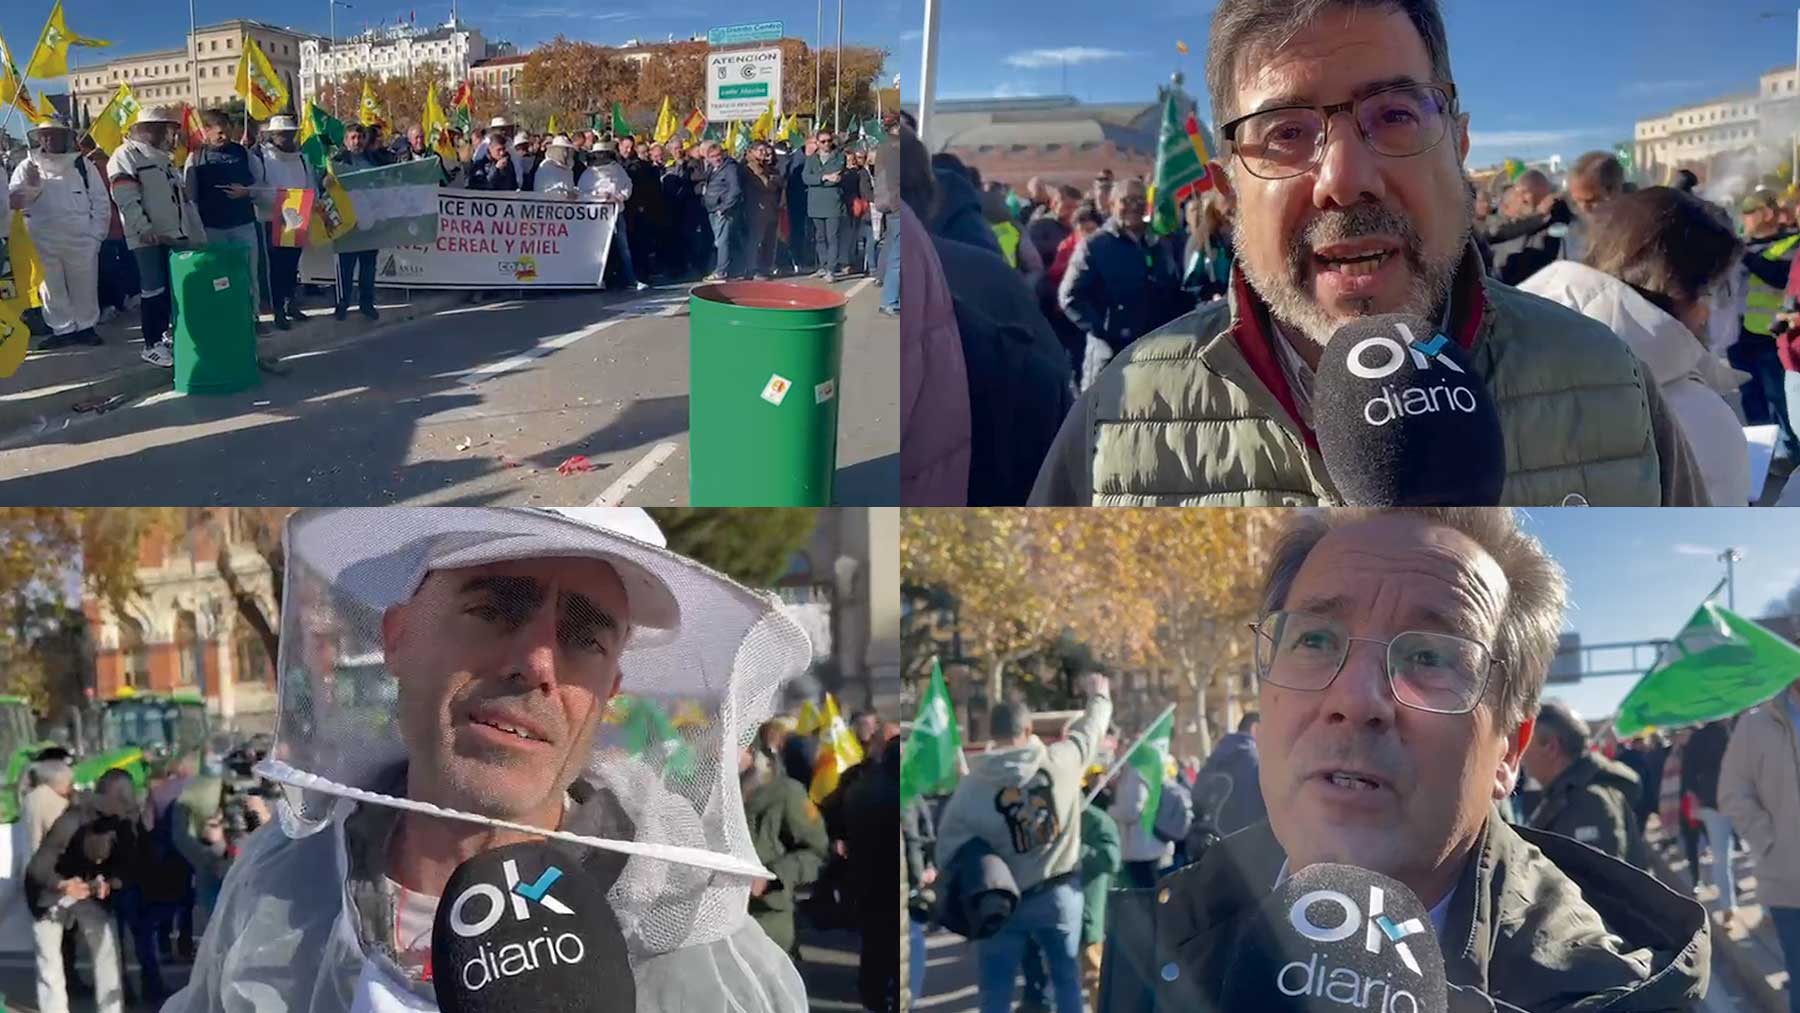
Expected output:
(319, 133)
(1181, 169)
(51, 57)
(369, 113)
(12, 85)
(764, 127)
(15, 340)
(332, 206)
(110, 127)
(551, 128)
(666, 124)
(620, 126)
(838, 752)
(1150, 758)
(436, 127)
(808, 723)
(258, 85)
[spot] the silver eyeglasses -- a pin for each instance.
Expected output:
(1436, 672)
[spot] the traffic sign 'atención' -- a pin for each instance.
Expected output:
(740, 83)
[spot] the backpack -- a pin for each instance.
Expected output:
(1174, 813)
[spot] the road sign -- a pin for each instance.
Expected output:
(738, 35)
(740, 83)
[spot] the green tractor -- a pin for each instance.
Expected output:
(19, 743)
(137, 728)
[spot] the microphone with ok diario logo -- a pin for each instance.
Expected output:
(524, 927)
(1404, 420)
(1337, 938)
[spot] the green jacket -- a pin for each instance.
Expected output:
(1198, 413)
(789, 835)
(1537, 921)
(1594, 802)
(1100, 860)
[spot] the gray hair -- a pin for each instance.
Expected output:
(1563, 726)
(57, 774)
(1245, 31)
(1536, 591)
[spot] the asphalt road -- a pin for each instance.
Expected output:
(476, 404)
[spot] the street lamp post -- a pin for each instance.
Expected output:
(1730, 557)
(928, 71)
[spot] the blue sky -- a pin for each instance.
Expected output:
(1537, 76)
(134, 26)
(1639, 574)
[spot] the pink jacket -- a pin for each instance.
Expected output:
(934, 389)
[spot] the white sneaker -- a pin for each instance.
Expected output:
(107, 313)
(642, 286)
(160, 354)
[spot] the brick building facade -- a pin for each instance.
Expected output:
(184, 631)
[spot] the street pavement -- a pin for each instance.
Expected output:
(18, 982)
(501, 402)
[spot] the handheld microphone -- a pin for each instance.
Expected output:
(1404, 420)
(524, 927)
(1333, 938)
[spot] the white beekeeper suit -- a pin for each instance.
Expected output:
(304, 921)
(67, 213)
(567, 179)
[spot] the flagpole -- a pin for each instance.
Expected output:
(1119, 761)
(818, 67)
(837, 74)
(928, 71)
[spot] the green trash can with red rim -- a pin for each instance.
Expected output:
(763, 364)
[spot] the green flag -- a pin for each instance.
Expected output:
(319, 133)
(1180, 167)
(394, 205)
(1624, 154)
(620, 127)
(1151, 760)
(929, 764)
(1719, 664)
(645, 730)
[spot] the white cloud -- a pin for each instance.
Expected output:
(1529, 138)
(912, 36)
(1038, 59)
(1686, 549)
(1005, 89)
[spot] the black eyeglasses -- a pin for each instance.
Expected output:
(1436, 672)
(1400, 121)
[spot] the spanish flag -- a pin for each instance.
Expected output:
(258, 84)
(51, 57)
(838, 752)
(189, 137)
(293, 215)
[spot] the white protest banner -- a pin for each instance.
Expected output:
(494, 240)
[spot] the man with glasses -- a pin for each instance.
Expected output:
(1342, 148)
(1400, 656)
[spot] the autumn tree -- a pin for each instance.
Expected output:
(574, 80)
(401, 96)
(752, 545)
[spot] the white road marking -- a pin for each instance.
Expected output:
(543, 348)
(858, 287)
(635, 475)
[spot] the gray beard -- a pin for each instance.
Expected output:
(1291, 302)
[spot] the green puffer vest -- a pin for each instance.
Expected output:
(1182, 418)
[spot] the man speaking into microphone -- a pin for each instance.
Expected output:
(1342, 144)
(473, 732)
(1400, 656)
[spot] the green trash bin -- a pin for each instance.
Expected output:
(763, 362)
(215, 320)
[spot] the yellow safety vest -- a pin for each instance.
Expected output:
(1008, 234)
(1762, 301)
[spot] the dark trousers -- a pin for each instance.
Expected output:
(644, 261)
(284, 275)
(1140, 875)
(759, 244)
(361, 266)
(827, 240)
(118, 273)
(156, 305)
(1787, 929)
(799, 244)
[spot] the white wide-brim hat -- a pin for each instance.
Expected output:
(280, 124)
(561, 141)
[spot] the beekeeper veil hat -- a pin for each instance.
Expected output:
(701, 667)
